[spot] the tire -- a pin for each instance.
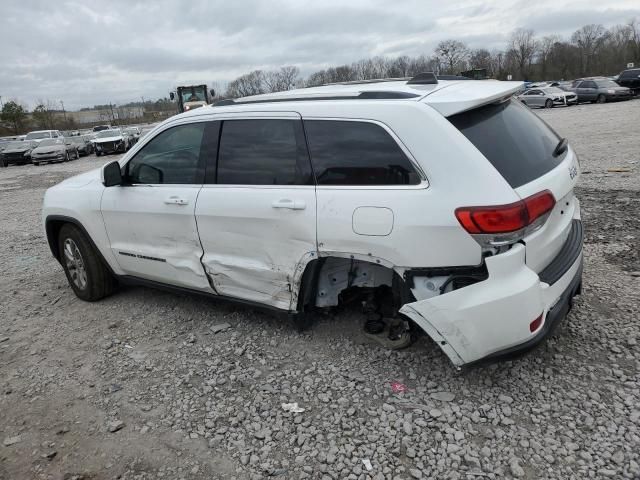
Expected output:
(67, 157)
(87, 275)
(601, 99)
(548, 103)
(3, 163)
(77, 154)
(37, 164)
(98, 154)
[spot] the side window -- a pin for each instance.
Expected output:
(357, 153)
(172, 157)
(263, 152)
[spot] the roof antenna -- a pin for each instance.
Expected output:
(424, 78)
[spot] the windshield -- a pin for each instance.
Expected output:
(109, 133)
(50, 142)
(77, 139)
(18, 144)
(194, 94)
(607, 83)
(131, 130)
(516, 142)
(38, 135)
(553, 90)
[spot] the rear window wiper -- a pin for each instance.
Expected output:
(562, 146)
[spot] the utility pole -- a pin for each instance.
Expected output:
(63, 111)
(113, 117)
(1, 104)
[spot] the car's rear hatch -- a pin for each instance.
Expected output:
(523, 148)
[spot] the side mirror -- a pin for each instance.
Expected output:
(212, 92)
(172, 96)
(111, 174)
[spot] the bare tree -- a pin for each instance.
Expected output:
(246, 85)
(480, 58)
(522, 48)
(589, 39)
(453, 54)
(280, 80)
(545, 47)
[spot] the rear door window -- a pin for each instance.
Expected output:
(515, 140)
(263, 152)
(357, 153)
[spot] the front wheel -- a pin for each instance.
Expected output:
(601, 99)
(3, 163)
(548, 103)
(86, 273)
(77, 154)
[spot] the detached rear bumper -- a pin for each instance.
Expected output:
(492, 319)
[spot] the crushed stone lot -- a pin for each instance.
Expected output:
(152, 385)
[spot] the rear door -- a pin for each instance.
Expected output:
(520, 146)
(257, 213)
(587, 91)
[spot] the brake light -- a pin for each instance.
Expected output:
(511, 220)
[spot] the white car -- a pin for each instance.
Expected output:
(111, 141)
(39, 135)
(447, 204)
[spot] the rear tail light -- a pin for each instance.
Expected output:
(505, 224)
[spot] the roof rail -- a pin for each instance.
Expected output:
(424, 78)
(370, 95)
(368, 80)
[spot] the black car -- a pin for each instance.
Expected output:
(630, 79)
(18, 152)
(84, 144)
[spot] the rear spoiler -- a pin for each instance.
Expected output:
(463, 96)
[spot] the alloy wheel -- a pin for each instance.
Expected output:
(75, 264)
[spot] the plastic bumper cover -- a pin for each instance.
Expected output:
(490, 320)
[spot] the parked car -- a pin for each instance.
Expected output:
(99, 128)
(54, 150)
(451, 209)
(547, 97)
(84, 144)
(111, 141)
(134, 134)
(599, 90)
(630, 79)
(18, 152)
(40, 135)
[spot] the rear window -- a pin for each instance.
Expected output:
(516, 142)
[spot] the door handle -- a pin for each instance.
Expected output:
(175, 200)
(290, 204)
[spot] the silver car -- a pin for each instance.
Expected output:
(548, 97)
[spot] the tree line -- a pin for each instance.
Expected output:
(591, 50)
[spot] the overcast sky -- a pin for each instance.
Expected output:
(89, 52)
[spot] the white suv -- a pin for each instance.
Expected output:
(447, 201)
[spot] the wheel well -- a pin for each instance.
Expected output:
(53, 225)
(52, 228)
(326, 278)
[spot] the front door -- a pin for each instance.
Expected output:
(150, 219)
(257, 213)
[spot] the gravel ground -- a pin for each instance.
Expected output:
(141, 386)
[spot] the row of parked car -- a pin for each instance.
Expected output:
(45, 146)
(581, 90)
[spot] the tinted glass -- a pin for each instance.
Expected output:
(262, 152)
(516, 142)
(357, 153)
(172, 157)
(588, 85)
(38, 135)
(607, 84)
